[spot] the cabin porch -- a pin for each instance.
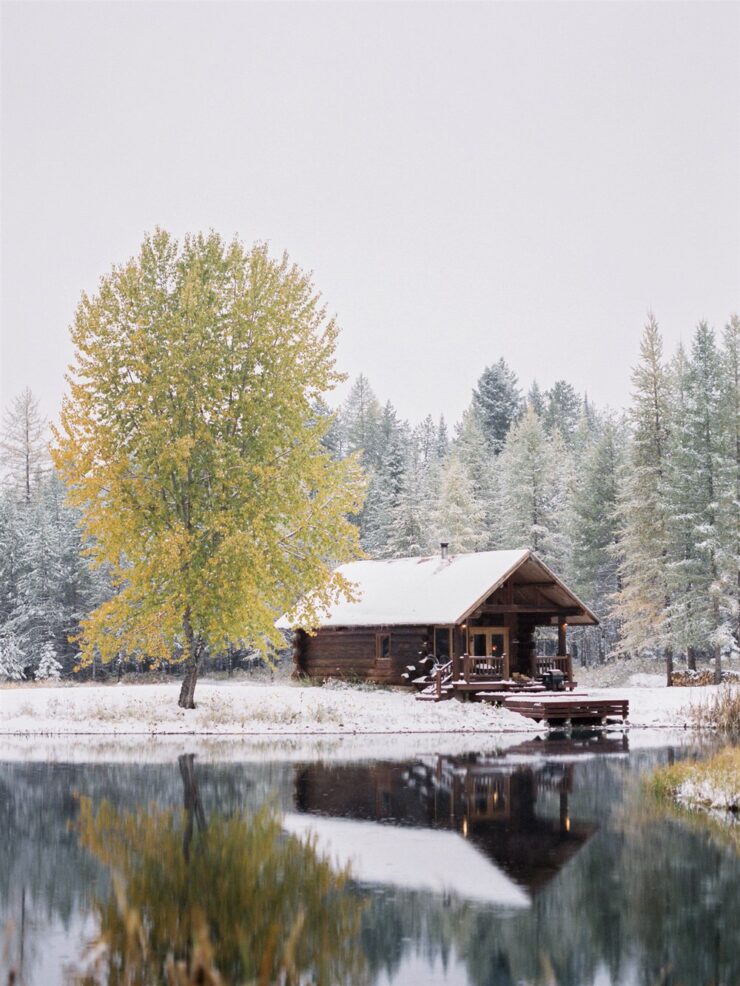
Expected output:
(495, 639)
(494, 648)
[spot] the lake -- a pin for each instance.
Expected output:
(520, 860)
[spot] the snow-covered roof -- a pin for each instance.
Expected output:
(430, 589)
(416, 859)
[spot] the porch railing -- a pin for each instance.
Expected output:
(490, 667)
(558, 662)
(442, 675)
(495, 667)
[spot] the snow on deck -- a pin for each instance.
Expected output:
(415, 591)
(411, 858)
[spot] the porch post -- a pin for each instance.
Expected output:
(563, 647)
(458, 649)
(562, 642)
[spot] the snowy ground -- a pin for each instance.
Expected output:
(242, 708)
(636, 671)
(239, 708)
(707, 794)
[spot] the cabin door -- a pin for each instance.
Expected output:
(490, 642)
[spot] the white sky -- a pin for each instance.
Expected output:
(466, 181)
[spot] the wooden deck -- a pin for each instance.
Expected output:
(556, 708)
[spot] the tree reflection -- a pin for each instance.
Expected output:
(233, 901)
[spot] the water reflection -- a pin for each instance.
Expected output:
(514, 810)
(571, 880)
(217, 900)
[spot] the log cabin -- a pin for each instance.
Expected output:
(475, 614)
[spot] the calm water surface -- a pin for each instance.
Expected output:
(540, 863)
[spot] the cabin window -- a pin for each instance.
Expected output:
(382, 645)
(442, 649)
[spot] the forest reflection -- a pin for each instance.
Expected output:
(185, 871)
(217, 900)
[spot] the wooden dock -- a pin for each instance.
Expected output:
(578, 709)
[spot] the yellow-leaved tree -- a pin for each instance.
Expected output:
(191, 438)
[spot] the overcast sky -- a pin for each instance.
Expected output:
(466, 181)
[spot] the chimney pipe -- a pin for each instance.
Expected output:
(443, 546)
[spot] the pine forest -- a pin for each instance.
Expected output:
(638, 510)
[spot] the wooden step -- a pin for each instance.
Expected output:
(432, 696)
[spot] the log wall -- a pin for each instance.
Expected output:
(351, 652)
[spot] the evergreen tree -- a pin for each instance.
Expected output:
(425, 439)
(497, 403)
(474, 452)
(703, 454)
(683, 565)
(49, 668)
(563, 409)
(376, 517)
(11, 659)
(409, 527)
(728, 513)
(47, 584)
(459, 518)
(443, 441)
(36, 614)
(644, 597)
(534, 472)
(588, 428)
(11, 552)
(536, 399)
(595, 521)
(361, 422)
(386, 484)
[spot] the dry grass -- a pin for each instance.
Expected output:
(721, 772)
(703, 792)
(721, 712)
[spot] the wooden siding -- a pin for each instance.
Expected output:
(352, 652)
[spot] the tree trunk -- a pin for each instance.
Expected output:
(187, 689)
(717, 664)
(691, 658)
(669, 666)
(192, 665)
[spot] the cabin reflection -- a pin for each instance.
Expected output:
(514, 811)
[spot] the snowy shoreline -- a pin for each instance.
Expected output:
(283, 710)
